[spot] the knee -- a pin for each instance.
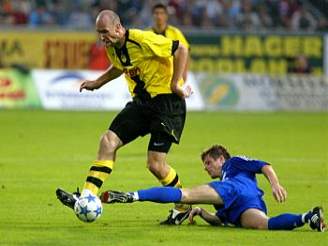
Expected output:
(185, 195)
(261, 226)
(258, 225)
(254, 219)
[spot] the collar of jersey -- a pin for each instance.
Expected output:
(226, 161)
(161, 33)
(126, 39)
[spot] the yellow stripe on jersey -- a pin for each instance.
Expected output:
(145, 58)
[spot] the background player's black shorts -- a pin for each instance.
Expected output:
(162, 116)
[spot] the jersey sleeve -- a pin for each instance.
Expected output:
(158, 45)
(182, 39)
(245, 164)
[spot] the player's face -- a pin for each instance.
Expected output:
(160, 16)
(110, 36)
(213, 166)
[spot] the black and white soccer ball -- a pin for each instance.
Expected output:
(88, 207)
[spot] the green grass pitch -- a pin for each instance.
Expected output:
(40, 151)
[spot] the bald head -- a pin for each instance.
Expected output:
(110, 29)
(107, 18)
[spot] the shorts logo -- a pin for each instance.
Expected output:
(158, 144)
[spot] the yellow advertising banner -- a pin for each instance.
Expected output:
(275, 54)
(56, 50)
(224, 53)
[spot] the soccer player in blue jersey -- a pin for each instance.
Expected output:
(236, 197)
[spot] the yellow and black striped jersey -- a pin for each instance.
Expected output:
(145, 59)
(173, 33)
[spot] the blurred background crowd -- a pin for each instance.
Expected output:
(285, 15)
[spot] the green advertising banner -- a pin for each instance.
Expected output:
(273, 54)
(17, 89)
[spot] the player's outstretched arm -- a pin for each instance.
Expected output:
(110, 74)
(210, 218)
(186, 68)
(179, 65)
(278, 191)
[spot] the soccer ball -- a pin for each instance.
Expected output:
(88, 207)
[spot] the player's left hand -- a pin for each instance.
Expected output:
(194, 212)
(188, 91)
(183, 92)
(279, 193)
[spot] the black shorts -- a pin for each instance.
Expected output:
(162, 116)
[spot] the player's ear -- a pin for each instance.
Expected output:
(118, 28)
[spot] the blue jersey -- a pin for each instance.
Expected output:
(238, 188)
(242, 169)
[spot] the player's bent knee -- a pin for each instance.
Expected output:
(254, 220)
(186, 196)
(258, 226)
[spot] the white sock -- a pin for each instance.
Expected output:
(303, 217)
(86, 192)
(135, 196)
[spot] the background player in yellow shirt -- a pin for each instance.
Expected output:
(161, 26)
(158, 106)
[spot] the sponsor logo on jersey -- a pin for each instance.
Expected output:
(132, 72)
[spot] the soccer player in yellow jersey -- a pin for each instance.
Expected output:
(158, 106)
(161, 27)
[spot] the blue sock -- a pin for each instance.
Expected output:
(160, 194)
(285, 222)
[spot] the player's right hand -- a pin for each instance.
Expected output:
(194, 212)
(279, 193)
(89, 85)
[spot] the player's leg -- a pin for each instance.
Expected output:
(254, 215)
(99, 170)
(103, 166)
(126, 126)
(254, 219)
(159, 145)
(157, 165)
(289, 221)
(168, 113)
(257, 219)
(166, 127)
(203, 194)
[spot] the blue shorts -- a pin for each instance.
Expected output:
(237, 197)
